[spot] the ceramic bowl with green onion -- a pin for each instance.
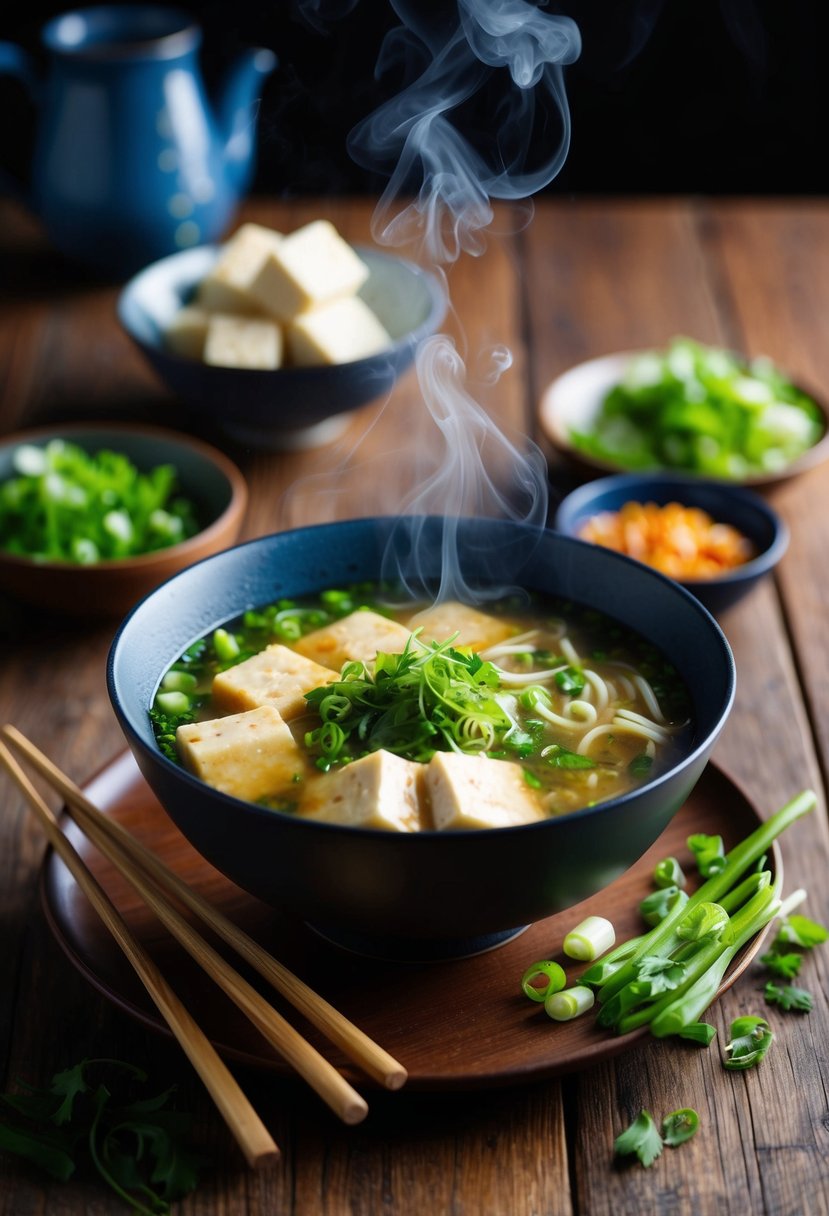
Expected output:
(95, 516)
(687, 408)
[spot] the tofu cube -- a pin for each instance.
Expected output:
(186, 333)
(338, 332)
(243, 342)
(356, 637)
(476, 630)
(476, 792)
(309, 267)
(377, 791)
(227, 286)
(277, 676)
(248, 755)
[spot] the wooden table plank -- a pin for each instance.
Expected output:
(513, 1151)
(647, 278)
(586, 277)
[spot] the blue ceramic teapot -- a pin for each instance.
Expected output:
(130, 162)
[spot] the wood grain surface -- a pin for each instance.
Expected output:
(583, 278)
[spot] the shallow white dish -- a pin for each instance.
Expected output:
(574, 399)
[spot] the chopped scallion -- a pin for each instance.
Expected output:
(542, 979)
(569, 1004)
(593, 937)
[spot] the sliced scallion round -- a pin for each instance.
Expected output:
(566, 1005)
(225, 645)
(174, 702)
(594, 936)
(668, 873)
(542, 979)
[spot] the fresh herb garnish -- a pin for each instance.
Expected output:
(749, 1040)
(787, 996)
(800, 931)
(427, 699)
(92, 1114)
(642, 1138)
(787, 966)
(660, 974)
(656, 906)
(750, 901)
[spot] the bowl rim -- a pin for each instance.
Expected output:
(571, 512)
(555, 433)
(235, 508)
(207, 254)
(138, 734)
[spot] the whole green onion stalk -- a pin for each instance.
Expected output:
(666, 978)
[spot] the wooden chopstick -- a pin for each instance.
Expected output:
(357, 1045)
(253, 1137)
(334, 1090)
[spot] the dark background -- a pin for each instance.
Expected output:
(668, 96)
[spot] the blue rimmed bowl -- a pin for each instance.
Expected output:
(744, 510)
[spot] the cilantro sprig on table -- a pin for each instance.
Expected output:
(95, 1114)
(644, 1139)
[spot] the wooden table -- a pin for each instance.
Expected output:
(585, 277)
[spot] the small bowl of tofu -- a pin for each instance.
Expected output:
(278, 337)
(238, 681)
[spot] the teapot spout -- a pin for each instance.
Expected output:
(238, 113)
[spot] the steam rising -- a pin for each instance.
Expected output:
(480, 472)
(482, 115)
(506, 56)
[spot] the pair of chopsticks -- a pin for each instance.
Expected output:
(154, 883)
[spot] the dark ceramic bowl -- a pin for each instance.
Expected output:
(425, 894)
(108, 589)
(292, 407)
(726, 504)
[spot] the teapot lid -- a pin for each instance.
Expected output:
(141, 31)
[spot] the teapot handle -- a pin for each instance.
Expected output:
(14, 61)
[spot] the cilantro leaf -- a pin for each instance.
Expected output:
(788, 997)
(749, 1040)
(137, 1144)
(662, 974)
(656, 906)
(641, 1138)
(679, 1126)
(786, 965)
(800, 931)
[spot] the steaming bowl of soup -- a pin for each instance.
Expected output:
(430, 892)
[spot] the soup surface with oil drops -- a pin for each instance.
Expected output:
(352, 709)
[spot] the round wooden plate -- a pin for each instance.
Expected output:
(454, 1025)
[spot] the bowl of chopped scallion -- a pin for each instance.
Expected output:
(93, 517)
(690, 408)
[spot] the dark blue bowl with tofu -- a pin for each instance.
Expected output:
(448, 888)
(290, 407)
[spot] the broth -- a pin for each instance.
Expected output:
(580, 708)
